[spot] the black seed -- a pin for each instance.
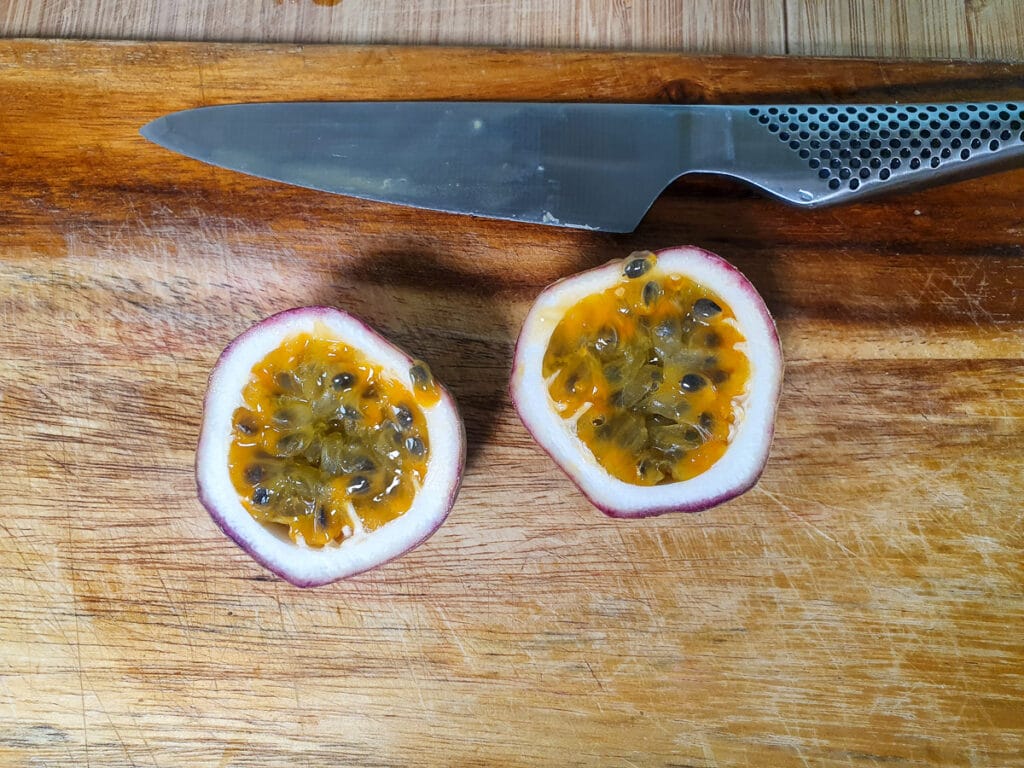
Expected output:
(705, 308)
(287, 382)
(719, 376)
(665, 329)
(415, 446)
(313, 452)
(390, 428)
(692, 435)
(637, 267)
(343, 381)
(607, 339)
(657, 420)
(284, 416)
(321, 519)
(571, 382)
(692, 382)
(707, 421)
(712, 340)
(290, 445)
(370, 393)
(348, 413)
(652, 291)
(245, 423)
(599, 421)
(359, 484)
(260, 496)
(359, 464)
(613, 374)
(254, 473)
(403, 416)
(420, 374)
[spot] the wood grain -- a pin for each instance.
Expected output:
(962, 29)
(862, 605)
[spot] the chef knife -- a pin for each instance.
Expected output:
(593, 166)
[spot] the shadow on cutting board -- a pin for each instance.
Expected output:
(454, 318)
(458, 302)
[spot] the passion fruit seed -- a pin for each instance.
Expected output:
(652, 292)
(692, 382)
(284, 417)
(706, 308)
(287, 382)
(343, 381)
(632, 357)
(244, 422)
(423, 384)
(358, 485)
(639, 264)
(606, 342)
(338, 467)
(404, 417)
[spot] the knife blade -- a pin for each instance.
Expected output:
(593, 166)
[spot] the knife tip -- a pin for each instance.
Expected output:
(151, 130)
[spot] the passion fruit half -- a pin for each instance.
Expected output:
(652, 381)
(325, 450)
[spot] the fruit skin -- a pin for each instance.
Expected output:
(744, 461)
(300, 565)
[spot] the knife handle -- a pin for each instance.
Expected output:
(816, 155)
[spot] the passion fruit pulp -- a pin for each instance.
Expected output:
(652, 381)
(325, 450)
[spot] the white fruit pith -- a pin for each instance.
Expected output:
(241, 498)
(728, 456)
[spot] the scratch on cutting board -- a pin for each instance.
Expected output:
(11, 536)
(416, 682)
(786, 508)
(454, 635)
(10, 699)
(182, 622)
(69, 522)
(113, 726)
(626, 554)
(812, 622)
(709, 754)
(794, 742)
(149, 747)
(979, 314)
(600, 685)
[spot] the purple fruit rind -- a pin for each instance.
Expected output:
(269, 324)
(698, 504)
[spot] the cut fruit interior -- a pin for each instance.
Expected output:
(325, 450)
(652, 381)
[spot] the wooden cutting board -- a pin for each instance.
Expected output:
(862, 605)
